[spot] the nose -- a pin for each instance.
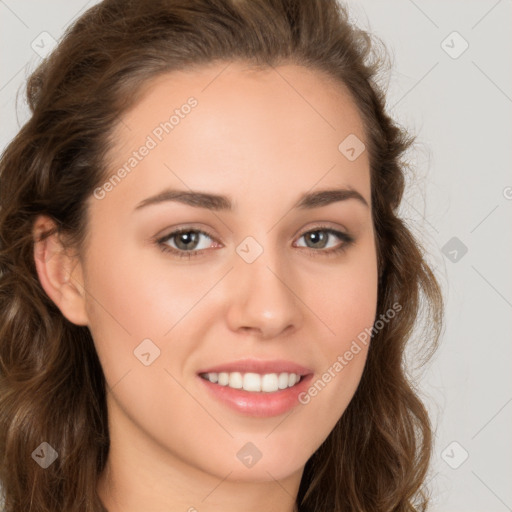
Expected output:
(263, 300)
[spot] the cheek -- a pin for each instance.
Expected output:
(137, 296)
(345, 298)
(124, 306)
(131, 294)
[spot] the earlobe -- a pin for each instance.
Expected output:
(60, 274)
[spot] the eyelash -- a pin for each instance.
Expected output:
(346, 238)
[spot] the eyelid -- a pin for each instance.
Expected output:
(327, 225)
(185, 229)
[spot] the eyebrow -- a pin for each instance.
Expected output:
(307, 201)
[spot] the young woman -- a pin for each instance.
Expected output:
(206, 291)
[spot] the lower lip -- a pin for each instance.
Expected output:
(258, 404)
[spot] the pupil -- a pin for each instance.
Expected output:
(186, 237)
(315, 234)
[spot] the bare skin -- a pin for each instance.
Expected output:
(263, 138)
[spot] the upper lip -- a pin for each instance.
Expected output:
(259, 366)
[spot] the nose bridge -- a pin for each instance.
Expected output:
(263, 298)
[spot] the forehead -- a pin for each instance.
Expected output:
(259, 130)
(290, 95)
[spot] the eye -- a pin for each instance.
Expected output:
(320, 236)
(186, 242)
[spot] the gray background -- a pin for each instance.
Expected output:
(459, 198)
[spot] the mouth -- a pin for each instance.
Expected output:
(258, 395)
(254, 382)
(256, 387)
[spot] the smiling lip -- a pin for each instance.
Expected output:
(258, 366)
(258, 404)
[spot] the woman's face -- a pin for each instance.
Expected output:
(257, 274)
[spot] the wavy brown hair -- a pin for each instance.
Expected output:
(52, 386)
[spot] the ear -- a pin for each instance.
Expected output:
(60, 274)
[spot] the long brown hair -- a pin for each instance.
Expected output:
(52, 387)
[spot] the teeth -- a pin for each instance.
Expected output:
(269, 382)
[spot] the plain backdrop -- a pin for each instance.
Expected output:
(450, 83)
